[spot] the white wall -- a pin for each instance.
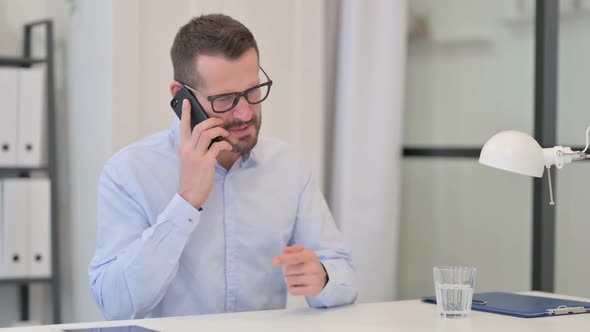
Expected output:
(457, 212)
(572, 216)
(368, 140)
(470, 78)
(90, 142)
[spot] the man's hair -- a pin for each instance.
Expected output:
(213, 34)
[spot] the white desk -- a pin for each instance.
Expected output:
(388, 316)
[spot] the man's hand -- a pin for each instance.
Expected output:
(197, 164)
(303, 271)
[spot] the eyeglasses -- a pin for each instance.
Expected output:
(225, 102)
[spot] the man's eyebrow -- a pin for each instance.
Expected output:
(258, 82)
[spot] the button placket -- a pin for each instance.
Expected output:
(229, 238)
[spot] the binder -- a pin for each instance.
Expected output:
(8, 111)
(15, 229)
(31, 150)
(40, 228)
(523, 306)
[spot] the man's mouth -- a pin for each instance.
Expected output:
(241, 130)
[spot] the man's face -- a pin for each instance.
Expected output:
(218, 75)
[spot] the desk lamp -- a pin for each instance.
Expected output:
(518, 152)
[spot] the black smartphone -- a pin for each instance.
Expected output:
(131, 328)
(198, 114)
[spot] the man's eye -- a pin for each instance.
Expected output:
(225, 99)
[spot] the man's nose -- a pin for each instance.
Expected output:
(242, 110)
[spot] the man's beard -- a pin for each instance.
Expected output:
(245, 144)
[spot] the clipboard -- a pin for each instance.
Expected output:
(523, 306)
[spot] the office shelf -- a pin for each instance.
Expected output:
(19, 61)
(17, 170)
(27, 60)
(24, 281)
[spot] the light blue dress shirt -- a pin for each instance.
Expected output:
(156, 255)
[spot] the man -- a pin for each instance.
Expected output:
(186, 227)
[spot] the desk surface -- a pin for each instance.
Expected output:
(387, 316)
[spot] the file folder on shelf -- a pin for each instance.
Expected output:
(14, 229)
(524, 306)
(31, 150)
(8, 110)
(40, 228)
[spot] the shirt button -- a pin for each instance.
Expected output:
(171, 262)
(230, 307)
(229, 221)
(230, 265)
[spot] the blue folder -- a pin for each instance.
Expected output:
(524, 306)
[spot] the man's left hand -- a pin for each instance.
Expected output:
(303, 271)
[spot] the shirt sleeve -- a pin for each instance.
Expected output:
(315, 229)
(131, 254)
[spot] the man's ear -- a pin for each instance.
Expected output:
(175, 86)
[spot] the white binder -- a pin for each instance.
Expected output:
(15, 229)
(8, 109)
(31, 150)
(40, 228)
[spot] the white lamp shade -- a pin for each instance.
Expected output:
(514, 151)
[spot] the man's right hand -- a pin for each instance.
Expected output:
(197, 163)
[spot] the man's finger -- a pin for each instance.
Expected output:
(276, 261)
(293, 248)
(218, 147)
(203, 126)
(295, 269)
(207, 136)
(301, 290)
(287, 250)
(298, 280)
(185, 122)
(288, 259)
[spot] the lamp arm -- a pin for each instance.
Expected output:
(560, 155)
(577, 155)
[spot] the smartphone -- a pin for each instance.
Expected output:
(198, 114)
(131, 328)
